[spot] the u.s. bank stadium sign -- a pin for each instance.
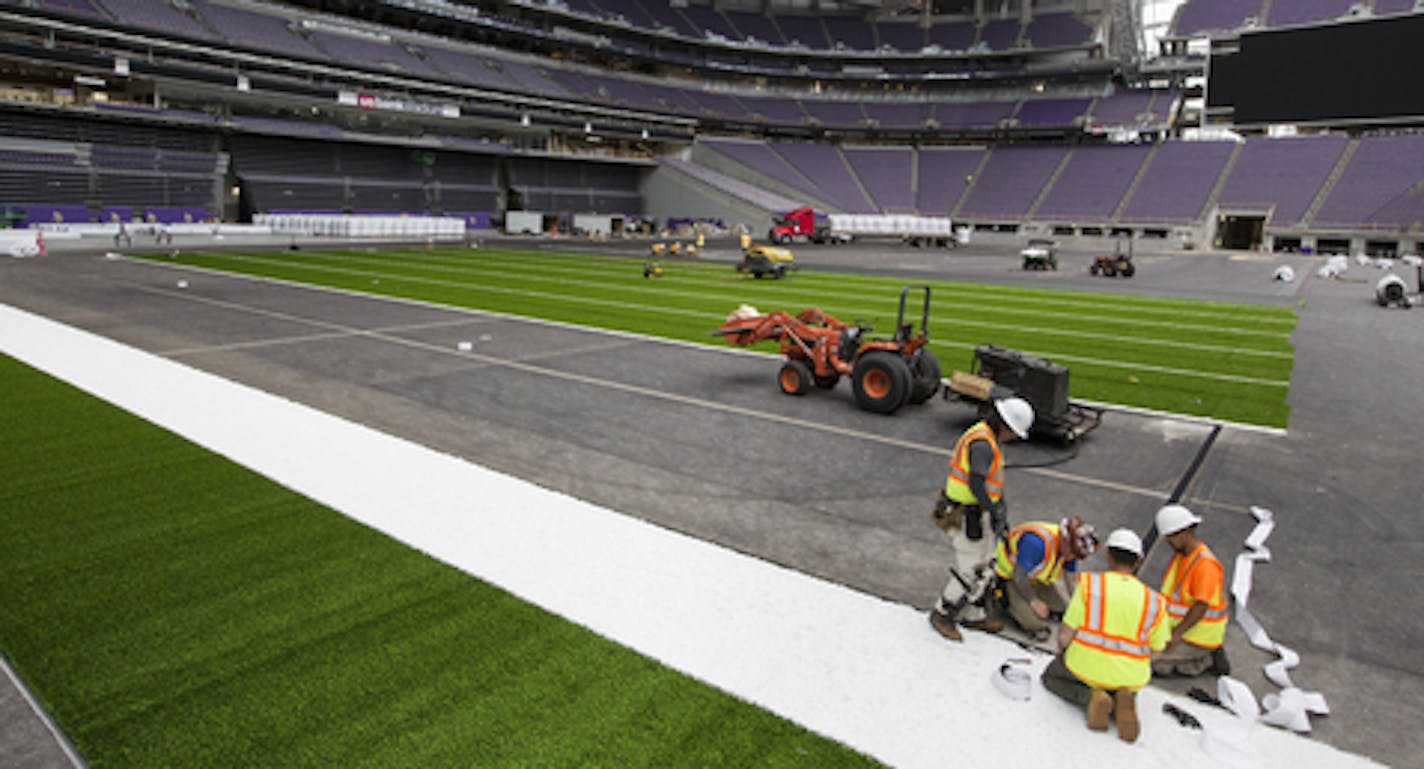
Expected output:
(372, 101)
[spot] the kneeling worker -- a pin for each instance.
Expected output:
(1196, 600)
(1112, 626)
(1030, 564)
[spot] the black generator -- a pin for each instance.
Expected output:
(1000, 373)
(1040, 382)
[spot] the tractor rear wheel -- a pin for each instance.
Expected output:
(925, 373)
(1125, 267)
(881, 381)
(795, 377)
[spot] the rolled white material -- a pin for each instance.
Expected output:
(1292, 707)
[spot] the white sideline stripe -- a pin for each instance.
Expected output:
(60, 741)
(856, 668)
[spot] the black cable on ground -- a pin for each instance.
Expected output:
(1181, 489)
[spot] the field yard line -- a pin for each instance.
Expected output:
(979, 303)
(960, 321)
(881, 683)
(577, 264)
(657, 309)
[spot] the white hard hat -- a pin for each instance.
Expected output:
(1125, 539)
(1012, 681)
(1173, 518)
(1017, 414)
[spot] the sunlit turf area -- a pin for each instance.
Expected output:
(1227, 361)
(171, 608)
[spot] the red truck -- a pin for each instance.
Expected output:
(801, 225)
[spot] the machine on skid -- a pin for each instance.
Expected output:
(885, 373)
(999, 372)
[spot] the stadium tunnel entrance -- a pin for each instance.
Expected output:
(1240, 231)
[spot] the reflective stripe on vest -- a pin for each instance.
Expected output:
(1006, 553)
(1210, 630)
(956, 487)
(1092, 633)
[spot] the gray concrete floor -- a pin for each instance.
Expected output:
(817, 485)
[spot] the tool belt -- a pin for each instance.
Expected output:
(952, 516)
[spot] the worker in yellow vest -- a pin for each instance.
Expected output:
(1194, 586)
(1112, 626)
(971, 502)
(1036, 566)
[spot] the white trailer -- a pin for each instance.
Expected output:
(526, 222)
(915, 230)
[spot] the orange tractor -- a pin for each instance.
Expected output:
(885, 374)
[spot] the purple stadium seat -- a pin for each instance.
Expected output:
(1092, 183)
(1382, 172)
(73, 8)
(1057, 30)
(1177, 182)
(944, 173)
(953, 35)
(972, 115)
(853, 33)
(885, 173)
(1001, 34)
(1198, 16)
(1305, 11)
(897, 115)
(1010, 181)
(827, 171)
(250, 29)
(759, 26)
(806, 30)
(161, 17)
(835, 114)
(1043, 113)
(1281, 174)
(1121, 109)
(903, 36)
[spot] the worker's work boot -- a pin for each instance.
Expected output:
(1126, 712)
(1100, 706)
(988, 625)
(945, 625)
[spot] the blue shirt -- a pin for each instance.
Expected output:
(1030, 554)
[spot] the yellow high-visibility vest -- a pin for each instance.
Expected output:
(1007, 552)
(1119, 622)
(1209, 632)
(956, 486)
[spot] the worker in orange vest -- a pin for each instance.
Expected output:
(1112, 626)
(971, 511)
(1036, 566)
(1196, 600)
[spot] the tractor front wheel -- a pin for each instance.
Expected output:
(881, 381)
(795, 377)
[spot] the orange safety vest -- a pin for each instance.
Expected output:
(956, 487)
(1119, 622)
(1006, 553)
(1211, 629)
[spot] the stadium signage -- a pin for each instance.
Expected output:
(394, 104)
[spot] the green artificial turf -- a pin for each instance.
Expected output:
(1223, 360)
(173, 609)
